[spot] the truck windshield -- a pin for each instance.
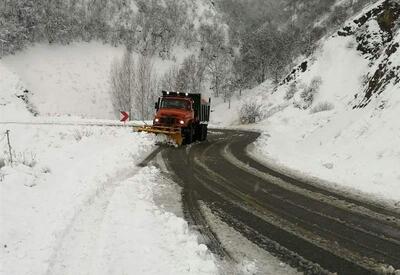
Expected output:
(174, 104)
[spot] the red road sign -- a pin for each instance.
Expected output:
(124, 116)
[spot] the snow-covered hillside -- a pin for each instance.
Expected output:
(67, 80)
(12, 96)
(336, 115)
(73, 79)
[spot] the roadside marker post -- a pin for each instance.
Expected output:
(9, 146)
(124, 116)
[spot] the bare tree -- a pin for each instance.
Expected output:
(145, 91)
(133, 88)
(190, 78)
(122, 78)
(169, 80)
(228, 88)
(219, 71)
(240, 76)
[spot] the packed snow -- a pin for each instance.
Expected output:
(345, 139)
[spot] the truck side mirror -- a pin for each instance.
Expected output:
(156, 105)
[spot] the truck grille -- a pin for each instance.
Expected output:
(167, 120)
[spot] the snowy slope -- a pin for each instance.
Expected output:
(72, 79)
(12, 107)
(67, 80)
(349, 133)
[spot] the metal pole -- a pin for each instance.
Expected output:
(9, 146)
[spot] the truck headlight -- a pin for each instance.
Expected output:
(181, 122)
(157, 120)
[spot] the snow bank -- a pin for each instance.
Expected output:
(151, 241)
(57, 171)
(74, 192)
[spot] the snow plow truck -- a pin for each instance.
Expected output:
(182, 117)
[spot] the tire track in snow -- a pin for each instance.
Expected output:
(77, 243)
(196, 218)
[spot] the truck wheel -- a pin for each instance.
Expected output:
(204, 132)
(189, 135)
(198, 132)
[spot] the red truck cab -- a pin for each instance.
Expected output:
(175, 112)
(183, 111)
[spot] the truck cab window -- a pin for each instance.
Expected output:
(175, 104)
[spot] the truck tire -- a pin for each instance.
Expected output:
(204, 132)
(188, 138)
(198, 132)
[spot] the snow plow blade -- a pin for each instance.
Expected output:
(172, 133)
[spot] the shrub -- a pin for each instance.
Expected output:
(308, 94)
(25, 96)
(291, 91)
(321, 107)
(251, 111)
(25, 158)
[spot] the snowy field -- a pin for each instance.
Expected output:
(74, 202)
(349, 145)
